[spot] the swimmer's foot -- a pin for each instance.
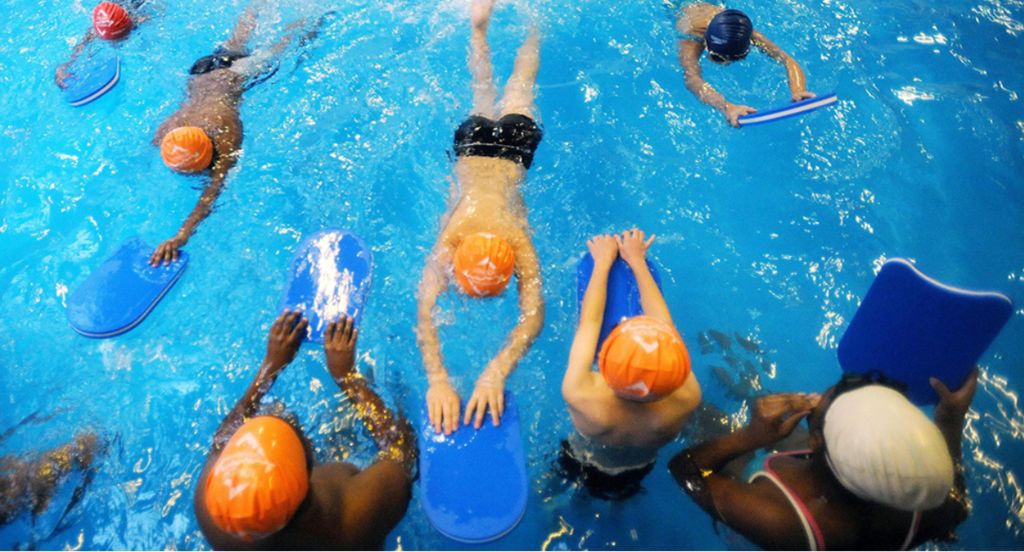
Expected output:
(480, 13)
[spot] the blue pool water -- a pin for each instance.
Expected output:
(771, 233)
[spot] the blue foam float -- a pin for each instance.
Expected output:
(119, 294)
(623, 294)
(474, 481)
(787, 111)
(911, 327)
(92, 78)
(329, 276)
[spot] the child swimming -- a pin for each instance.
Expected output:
(486, 237)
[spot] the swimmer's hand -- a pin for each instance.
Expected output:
(733, 113)
(443, 407)
(604, 249)
(802, 95)
(489, 394)
(61, 76)
(775, 416)
(340, 348)
(167, 252)
(953, 405)
(632, 247)
(283, 341)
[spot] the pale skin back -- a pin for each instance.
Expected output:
(596, 411)
(487, 199)
(693, 23)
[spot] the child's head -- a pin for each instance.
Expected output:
(644, 359)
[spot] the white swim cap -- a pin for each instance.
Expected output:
(883, 449)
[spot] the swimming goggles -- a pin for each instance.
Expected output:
(719, 58)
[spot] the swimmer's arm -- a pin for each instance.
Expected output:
(531, 312)
(375, 502)
(689, 57)
(61, 74)
(204, 206)
(750, 509)
(283, 341)
(393, 434)
(432, 284)
(578, 375)
(794, 73)
(651, 299)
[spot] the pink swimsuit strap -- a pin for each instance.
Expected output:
(802, 510)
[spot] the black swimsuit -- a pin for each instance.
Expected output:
(514, 137)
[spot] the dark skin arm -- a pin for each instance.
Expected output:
(377, 497)
(62, 73)
(950, 413)
(755, 510)
(167, 252)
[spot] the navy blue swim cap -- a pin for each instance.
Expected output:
(728, 34)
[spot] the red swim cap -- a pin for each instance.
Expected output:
(644, 359)
(111, 21)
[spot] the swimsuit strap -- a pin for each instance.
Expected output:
(815, 538)
(915, 524)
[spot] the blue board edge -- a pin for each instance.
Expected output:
(754, 118)
(92, 96)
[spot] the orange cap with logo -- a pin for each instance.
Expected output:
(644, 359)
(484, 264)
(259, 480)
(187, 149)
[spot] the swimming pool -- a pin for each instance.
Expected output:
(771, 233)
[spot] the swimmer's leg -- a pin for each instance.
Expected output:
(243, 30)
(485, 94)
(518, 96)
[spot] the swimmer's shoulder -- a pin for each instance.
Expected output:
(694, 19)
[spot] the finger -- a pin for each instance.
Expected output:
(434, 413)
(455, 417)
(470, 407)
(349, 327)
(940, 388)
(481, 409)
(618, 240)
(446, 417)
(650, 241)
(329, 333)
(791, 422)
(501, 404)
(354, 336)
(277, 323)
(300, 330)
(492, 405)
(970, 386)
(174, 253)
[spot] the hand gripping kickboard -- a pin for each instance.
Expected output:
(474, 480)
(911, 327)
(623, 294)
(91, 79)
(329, 276)
(787, 111)
(119, 294)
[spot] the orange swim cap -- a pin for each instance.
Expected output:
(187, 149)
(259, 480)
(644, 359)
(484, 264)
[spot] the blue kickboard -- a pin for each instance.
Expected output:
(787, 111)
(623, 294)
(911, 327)
(119, 294)
(474, 481)
(91, 79)
(329, 276)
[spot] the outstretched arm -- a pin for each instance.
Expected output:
(167, 251)
(283, 342)
(393, 434)
(61, 74)
(689, 57)
(442, 400)
(578, 376)
(489, 392)
(633, 250)
(797, 81)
